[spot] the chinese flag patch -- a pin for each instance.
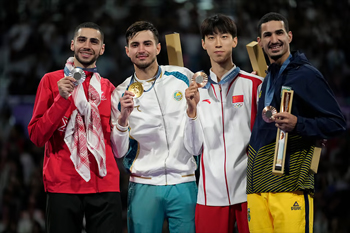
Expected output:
(237, 99)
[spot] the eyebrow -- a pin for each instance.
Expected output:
(137, 42)
(92, 38)
(270, 32)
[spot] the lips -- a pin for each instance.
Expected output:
(143, 56)
(86, 54)
(275, 47)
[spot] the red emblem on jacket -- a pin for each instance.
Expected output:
(237, 99)
(207, 100)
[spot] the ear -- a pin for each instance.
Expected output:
(203, 45)
(234, 42)
(72, 45)
(127, 50)
(290, 35)
(158, 48)
(259, 42)
(102, 49)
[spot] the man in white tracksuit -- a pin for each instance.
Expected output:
(148, 118)
(222, 113)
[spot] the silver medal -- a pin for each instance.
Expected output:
(79, 75)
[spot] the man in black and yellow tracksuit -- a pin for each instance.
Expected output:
(285, 203)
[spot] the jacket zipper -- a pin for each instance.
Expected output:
(166, 136)
(223, 135)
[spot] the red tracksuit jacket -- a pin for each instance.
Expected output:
(47, 127)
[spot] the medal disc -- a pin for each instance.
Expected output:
(200, 78)
(136, 88)
(78, 74)
(268, 114)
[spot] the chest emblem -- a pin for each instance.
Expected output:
(285, 88)
(206, 100)
(63, 126)
(103, 97)
(237, 101)
(178, 95)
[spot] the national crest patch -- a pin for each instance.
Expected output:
(178, 95)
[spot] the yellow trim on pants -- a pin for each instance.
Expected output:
(280, 212)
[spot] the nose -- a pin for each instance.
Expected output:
(217, 42)
(141, 48)
(87, 44)
(274, 38)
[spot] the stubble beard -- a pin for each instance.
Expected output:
(145, 65)
(85, 63)
(276, 57)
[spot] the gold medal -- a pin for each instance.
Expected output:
(268, 114)
(200, 78)
(136, 88)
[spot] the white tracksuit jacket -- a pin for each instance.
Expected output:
(225, 118)
(155, 153)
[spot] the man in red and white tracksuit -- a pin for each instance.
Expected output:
(72, 119)
(220, 119)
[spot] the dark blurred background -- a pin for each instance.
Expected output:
(35, 39)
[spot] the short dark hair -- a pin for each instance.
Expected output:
(89, 25)
(218, 23)
(272, 16)
(141, 26)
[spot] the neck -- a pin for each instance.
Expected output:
(146, 73)
(221, 69)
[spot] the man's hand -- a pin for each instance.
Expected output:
(192, 98)
(285, 121)
(127, 106)
(66, 86)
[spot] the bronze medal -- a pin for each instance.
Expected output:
(136, 88)
(200, 78)
(268, 114)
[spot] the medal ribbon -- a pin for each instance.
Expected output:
(270, 90)
(226, 78)
(156, 77)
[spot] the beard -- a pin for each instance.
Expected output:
(276, 57)
(273, 56)
(85, 63)
(144, 65)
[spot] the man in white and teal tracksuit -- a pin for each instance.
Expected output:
(148, 131)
